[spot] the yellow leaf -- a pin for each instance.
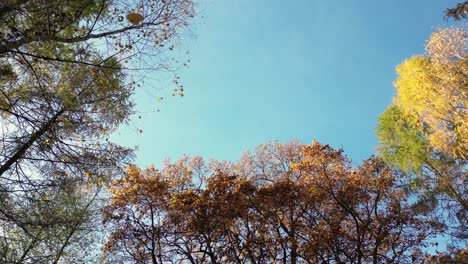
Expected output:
(135, 18)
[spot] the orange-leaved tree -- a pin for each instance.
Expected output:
(288, 203)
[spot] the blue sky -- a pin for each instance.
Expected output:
(263, 70)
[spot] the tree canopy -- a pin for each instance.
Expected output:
(425, 131)
(67, 74)
(317, 209)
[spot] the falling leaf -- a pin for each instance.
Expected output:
(135, 18)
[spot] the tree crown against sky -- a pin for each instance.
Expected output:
(264, 208)
(424, 132)
(68, 73)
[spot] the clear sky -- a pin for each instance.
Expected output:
(263, 70)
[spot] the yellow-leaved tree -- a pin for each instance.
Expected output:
(434, 90)
(425, 131)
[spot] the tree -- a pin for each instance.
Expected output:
(35, 27)
(433, 88)
(51, 226)
(329, 213)
(139, 217)
(34, 76)
(54, 129)
(66, 77)
(424, 132)
(139, 213)
(458, 12)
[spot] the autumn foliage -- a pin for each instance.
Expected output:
(425, 131)
(68, 73)
(288, 203)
